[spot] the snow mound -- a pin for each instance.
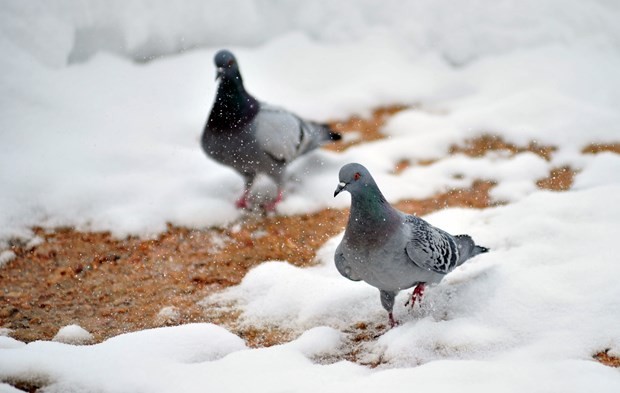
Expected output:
(73, 334)
(9, 342)
(140, 361)
(6, 257)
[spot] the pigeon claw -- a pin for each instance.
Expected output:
(242, 203)
(417, 294)
(271, 206)
(393, 322)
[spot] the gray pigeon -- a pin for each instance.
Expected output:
(253, 137)
(391, 250)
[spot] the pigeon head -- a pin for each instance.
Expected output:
(226, 65)
(354, 178)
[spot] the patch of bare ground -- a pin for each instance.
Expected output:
(478, 147)
(560, 179)
(596, 148)
(26, 386)
(369, 129)
(605, 358)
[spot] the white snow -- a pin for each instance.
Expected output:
(8, 342)
(73, 334)
(93, 139)
(6, 256)
(6, 388)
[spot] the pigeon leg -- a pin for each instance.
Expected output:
(387, 301)
(271, 206)
(242, 203)
(393, 322)
(417, 294)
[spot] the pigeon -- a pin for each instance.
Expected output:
(389, 249)
(253, 137)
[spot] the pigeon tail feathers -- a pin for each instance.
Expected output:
(327, 133)
(332, 135)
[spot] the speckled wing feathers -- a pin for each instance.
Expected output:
(431, 248)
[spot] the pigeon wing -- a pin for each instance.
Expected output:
(279, 133)
(431, 248)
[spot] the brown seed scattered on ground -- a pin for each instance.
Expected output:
(605, 358)
(369, 128)
(476, 197)
(479, 146)
(401, 166)
(560, 179)
(595, 148)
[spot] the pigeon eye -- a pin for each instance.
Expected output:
(357, 176)
(230, 63)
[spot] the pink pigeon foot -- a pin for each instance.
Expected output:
(417, 294)
(242, 203)
(271, 206)
(393, 322)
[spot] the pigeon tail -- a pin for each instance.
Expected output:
(467, 248)
(327, 133)
(314, 135)
(480, 250)
(332, 135)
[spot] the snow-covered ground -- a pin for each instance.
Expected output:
(93, 139)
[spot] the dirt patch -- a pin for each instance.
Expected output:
(476, 197)
(478, 147)
(401, 166)
(596, 148)
(363, 129)
(26, 386)
(110, 286)
(605, 358)
(560, 179)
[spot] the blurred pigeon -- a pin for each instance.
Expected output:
(253, 137)
(391, 250)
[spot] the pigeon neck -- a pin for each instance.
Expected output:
(233, 108)
(371, 217)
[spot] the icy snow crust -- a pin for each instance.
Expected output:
(110, 144)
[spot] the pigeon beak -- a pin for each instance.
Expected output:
(219, 72)
(340, 187)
